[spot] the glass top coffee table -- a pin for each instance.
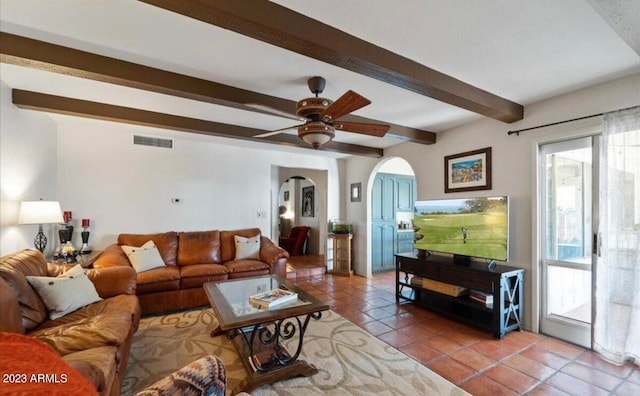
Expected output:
(258, 333)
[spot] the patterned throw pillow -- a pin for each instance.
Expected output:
(145, 257)
(205, 376)
(247, 248)
(65, 293)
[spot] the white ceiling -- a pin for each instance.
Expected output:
(521, 51)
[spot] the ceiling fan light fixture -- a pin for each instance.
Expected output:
(319, 115)
(316, 133)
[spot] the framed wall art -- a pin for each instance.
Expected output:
(356, 192)
(308, 201)
(469, 171)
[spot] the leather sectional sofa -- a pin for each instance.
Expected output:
(94, 339)
(192, 259)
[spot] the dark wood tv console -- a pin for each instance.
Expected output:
(503, 282)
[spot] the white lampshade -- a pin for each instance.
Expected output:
(316, 139)
(316, 133)
(40, 212)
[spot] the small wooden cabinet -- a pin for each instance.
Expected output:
(342, 254)
(504, 283)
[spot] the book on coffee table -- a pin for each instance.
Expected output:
(273, 298)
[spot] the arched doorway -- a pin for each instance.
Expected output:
(301, 201)
(286, 207)
(392, 190)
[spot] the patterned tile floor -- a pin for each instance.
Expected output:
(522, 363)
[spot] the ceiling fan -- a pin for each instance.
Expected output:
(320, 116)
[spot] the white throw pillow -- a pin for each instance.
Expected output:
(65, 293)
(145, 257)
(247, 248)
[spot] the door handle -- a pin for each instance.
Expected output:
(597, 245)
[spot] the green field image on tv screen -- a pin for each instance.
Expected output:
(471, 227)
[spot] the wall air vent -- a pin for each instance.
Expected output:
(152, 141)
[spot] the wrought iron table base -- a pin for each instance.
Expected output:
(254, 339)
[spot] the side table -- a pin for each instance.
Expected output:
(342, 254)
(85, 260)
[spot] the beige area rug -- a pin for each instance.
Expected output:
(350, 360)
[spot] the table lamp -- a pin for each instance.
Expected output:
(39, 212)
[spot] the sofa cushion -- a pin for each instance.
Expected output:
(31, 357)
(197, 275)
(110, 328)
(14, 269)
(122, 303)
(199, 247)
(145, 257)
(251, 267)
(227, 241)
(66, 293)
(159, 279)
(167, 244)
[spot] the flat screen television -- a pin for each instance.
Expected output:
(466, 227)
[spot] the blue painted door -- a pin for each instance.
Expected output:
(383, 222)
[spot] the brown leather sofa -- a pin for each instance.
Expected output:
(192, 259)
(95, 339)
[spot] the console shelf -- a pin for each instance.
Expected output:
(503, 282)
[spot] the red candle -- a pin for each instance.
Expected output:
(67, 216)
(85, 223)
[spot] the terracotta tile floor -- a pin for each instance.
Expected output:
(522, 363)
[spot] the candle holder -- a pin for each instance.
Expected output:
(85, 249)
(65, 233)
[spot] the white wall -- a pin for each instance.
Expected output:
(513, 165)
(27, 171)
(358, 170)
(125, 188)
(397, 166)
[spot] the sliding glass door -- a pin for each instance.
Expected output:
(567, 212)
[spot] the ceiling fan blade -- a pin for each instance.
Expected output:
(277, 131)
(273, 111)
(345, 104)
(377, 130)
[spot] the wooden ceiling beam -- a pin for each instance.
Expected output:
(128, 115)
(27, 52)
(285, 28)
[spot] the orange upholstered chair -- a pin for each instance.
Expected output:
(296, 242)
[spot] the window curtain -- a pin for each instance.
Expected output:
(616, 324)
